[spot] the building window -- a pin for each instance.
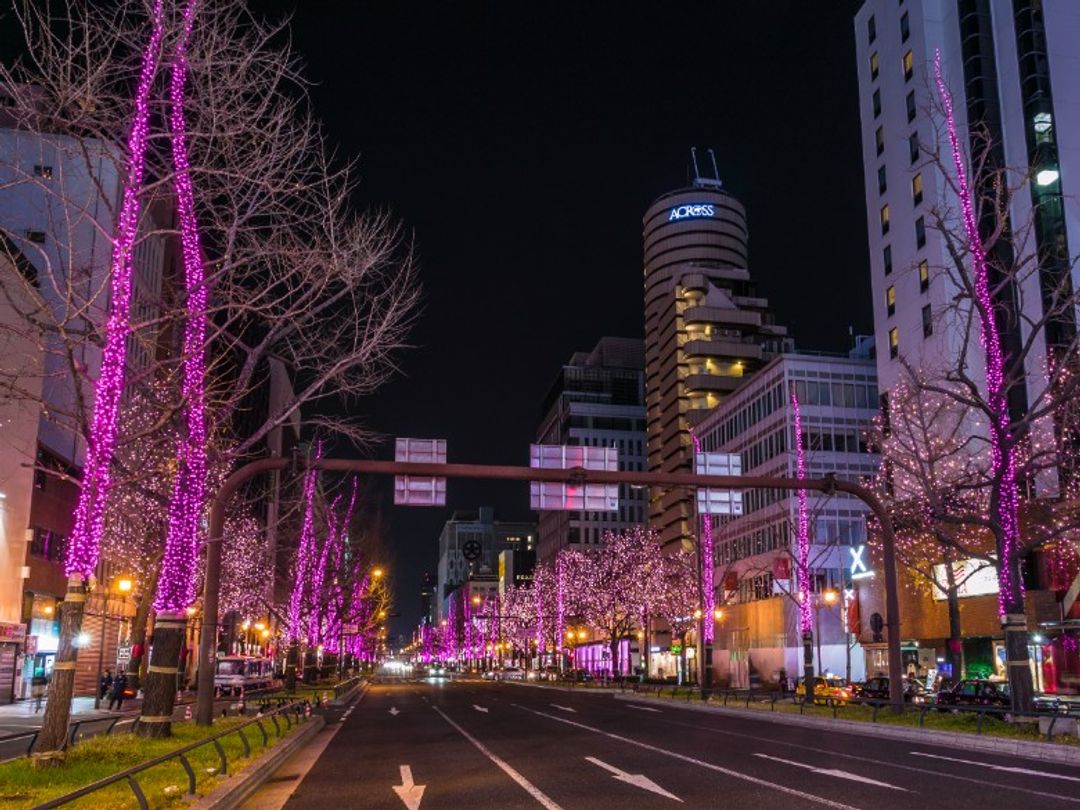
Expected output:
(905, 27)
(890, 301)
(877, 103)
(44, 172)
(875, 65)
(871, 29)
(886, 256)
(920, 232)
(924, 275)
(882, 182)
(927, 323)
(911, 106)
(913, 146)
(47, 545)
(1043, 124)
(916, 189)
(884, 219)
(37, 237)
(879, 140)
(909, 66)
(894, 342)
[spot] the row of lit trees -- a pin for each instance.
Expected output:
(615, 590)
(200, 109)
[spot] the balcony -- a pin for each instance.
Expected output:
(723, 347)
(710, 315)
(713, 382)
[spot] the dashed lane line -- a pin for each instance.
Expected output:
(700, 763)
(541, 797)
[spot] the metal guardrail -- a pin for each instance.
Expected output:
(726, 697)
(129, 775)
(76, 725)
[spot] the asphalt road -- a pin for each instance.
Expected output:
(448, 745)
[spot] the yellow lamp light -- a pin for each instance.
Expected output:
(124, 585)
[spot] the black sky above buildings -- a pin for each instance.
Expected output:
(521, 142)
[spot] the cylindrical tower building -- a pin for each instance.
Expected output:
(705, 328)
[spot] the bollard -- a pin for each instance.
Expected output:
(325, 698)
(187, 712)
(307, 710)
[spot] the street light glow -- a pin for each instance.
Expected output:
(376, 572)
(718, 614)
(124, 585)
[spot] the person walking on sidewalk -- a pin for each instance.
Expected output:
(39, 685)
(119, 684)
(106, 682)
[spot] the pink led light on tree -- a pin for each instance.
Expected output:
(85, 544)
(176, 585)
(305, 550)
(707, 571)
(1004, 495)
(802, 563)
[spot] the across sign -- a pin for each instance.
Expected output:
(691, 211)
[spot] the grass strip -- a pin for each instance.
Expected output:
(165, 785)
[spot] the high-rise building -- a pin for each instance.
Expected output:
(1010, 66)
(597, 400)
(427, 598)
(706, 328)
(754, 554)
(469, 547)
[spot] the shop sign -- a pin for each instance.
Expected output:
(30, 648)
(13, 633)
(693, 211)
(973, 578)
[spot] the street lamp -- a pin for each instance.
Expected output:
(718, 614)
(376, 572)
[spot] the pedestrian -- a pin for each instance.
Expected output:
(106, 683)
(116, 696)
(39, 685)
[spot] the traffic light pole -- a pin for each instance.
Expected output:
(576, 476)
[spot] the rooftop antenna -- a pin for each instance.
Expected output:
(715, 171)
(705, 182)
(693, 158)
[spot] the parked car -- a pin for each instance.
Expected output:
(878, 689)
(974, 692)
(826, 687)
(579, 676)
(511, 674)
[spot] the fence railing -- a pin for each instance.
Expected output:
(122, 723)
(293, 713)
(746, 697)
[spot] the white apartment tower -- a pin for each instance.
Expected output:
(1013, 69)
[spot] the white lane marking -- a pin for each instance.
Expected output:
(1007, 768)
(851, 777)
(870, 760)
(394, 711)
(564, 708)
(409, 793)
(480, 708)
(544, 800)
(700, 763)
(635, 779)
(642, 708)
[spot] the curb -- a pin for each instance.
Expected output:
(566, 690)
(1044, 752)
(235, 790)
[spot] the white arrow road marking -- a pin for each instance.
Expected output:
(992, 766)
(394, 711)
(635, 779)
(641, 708)
(544, 800)
(409, 793)
(854, 777)
(564, 708)
(810, 797)
(480, 708)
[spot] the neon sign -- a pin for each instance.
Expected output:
(692, 211)
(858, 566)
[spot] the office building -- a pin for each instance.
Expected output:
(754, 554)
(597, 400)
(427, 598)
(706, 328)
(1011, 68)
(469, 547)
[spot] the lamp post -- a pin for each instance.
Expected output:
(829, 598)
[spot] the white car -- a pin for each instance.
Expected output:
(511, 674)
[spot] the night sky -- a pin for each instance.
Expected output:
(521, 143)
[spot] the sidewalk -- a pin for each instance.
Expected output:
(81, 707)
